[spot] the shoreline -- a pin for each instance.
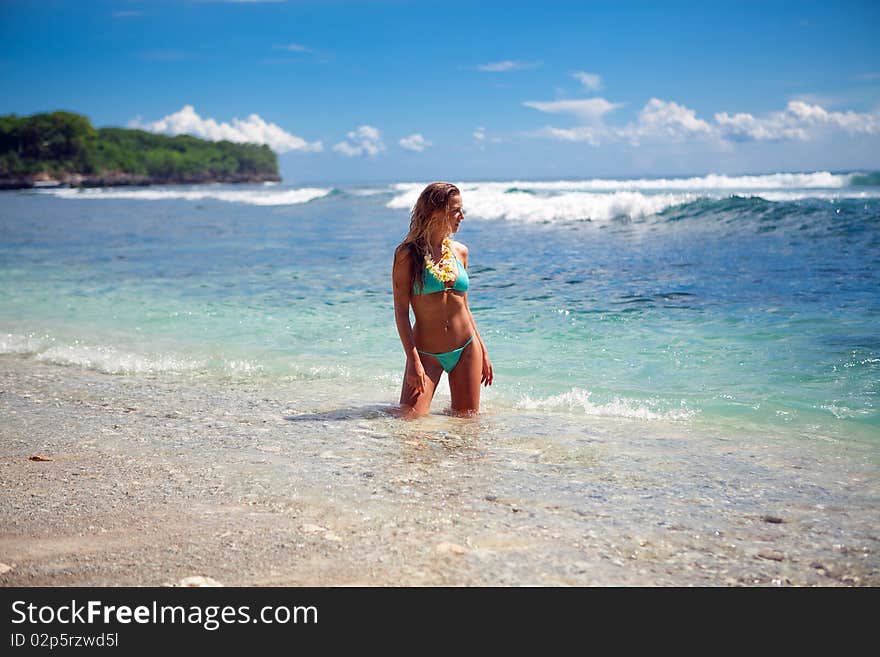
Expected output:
(153, 479)
(121, 179)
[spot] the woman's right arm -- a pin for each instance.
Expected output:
(401, 285)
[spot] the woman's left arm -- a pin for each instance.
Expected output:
(487, 375)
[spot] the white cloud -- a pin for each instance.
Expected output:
(415, 143)
(507, 65)
(480, 137)
(296, 47)
(589, 110)
(588, 134)
(660, 119)
(799, 120)
(253, 130)
(745, 127)
(366, 140)
(590, 81)
(851, 122)
(807, 113)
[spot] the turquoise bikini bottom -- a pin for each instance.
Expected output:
(449, 359)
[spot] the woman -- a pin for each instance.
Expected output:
(430, 274)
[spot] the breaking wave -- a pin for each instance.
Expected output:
(263, 196)
(578, 399)
(605, 199)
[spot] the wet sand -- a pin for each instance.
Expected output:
(152, 480)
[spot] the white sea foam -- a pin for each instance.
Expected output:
(369, 191)
(114, 361)
(843, 412)
(22, 345)
(49, 349)
(819, 179)
(301, 371)
(571, 206)
(578, 399)
(816, 180)
(241, 367)
(849, 194)
(264, 196)
(601, 199)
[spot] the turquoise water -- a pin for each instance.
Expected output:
(732, 304)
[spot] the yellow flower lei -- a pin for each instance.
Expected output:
(444, 271)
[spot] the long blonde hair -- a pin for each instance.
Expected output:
(424, 222)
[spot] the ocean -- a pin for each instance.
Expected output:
(686, 372)
(722, 304)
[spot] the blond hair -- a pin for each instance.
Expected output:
(424, 222)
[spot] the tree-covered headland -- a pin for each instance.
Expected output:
(64, 147)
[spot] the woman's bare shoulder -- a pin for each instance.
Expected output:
(458, 247)
(460, 250)
(402, 254)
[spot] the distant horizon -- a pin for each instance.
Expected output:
(659, 176)
(375, 92)
(536, 179)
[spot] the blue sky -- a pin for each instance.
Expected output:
(367, 91)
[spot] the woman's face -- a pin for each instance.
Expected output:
(454, 213)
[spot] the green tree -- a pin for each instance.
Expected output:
(65, 142)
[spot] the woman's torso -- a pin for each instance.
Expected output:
(442, 318)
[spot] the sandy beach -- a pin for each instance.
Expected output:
(151, 482)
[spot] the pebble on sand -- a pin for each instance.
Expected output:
(772, 555)
(197, 581)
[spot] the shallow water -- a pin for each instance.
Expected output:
(730, 305)
(280, 483)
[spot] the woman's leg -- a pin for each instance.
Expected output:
(464, 381)
(413, 404)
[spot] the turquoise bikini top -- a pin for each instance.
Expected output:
(433, 284)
